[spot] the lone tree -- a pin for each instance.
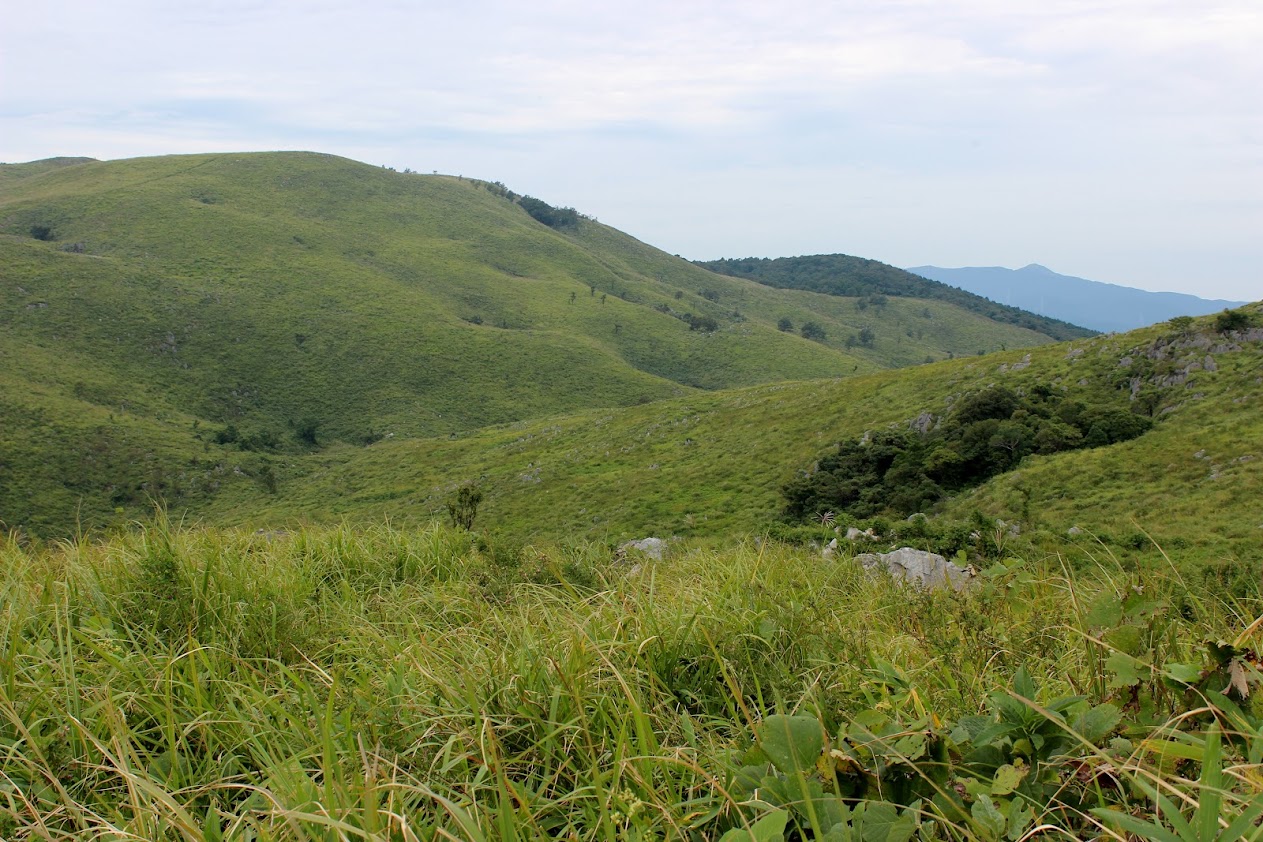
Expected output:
(462, 506)
(785, 325)
(811, 330)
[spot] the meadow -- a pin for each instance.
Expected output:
(432, 683)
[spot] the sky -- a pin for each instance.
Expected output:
(1117, 140)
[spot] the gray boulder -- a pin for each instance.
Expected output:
(651, 547)
(927, 570)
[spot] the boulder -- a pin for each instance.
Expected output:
(831, 549)
(651, 547)
(925, 569)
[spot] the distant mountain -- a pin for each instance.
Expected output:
(1100, 306)
(868, 280)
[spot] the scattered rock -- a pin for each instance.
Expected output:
(1201, 454)
(923, 423)
(853, 534)
(1073, 531)
(1125, 362)
(1209, 363)
(651, 547)
(1025, 363)
(924, 569)
(1074, 353)
(830, 549)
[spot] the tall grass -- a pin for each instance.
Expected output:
(405, 684)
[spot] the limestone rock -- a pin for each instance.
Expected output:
(927, 570)
(651, 547)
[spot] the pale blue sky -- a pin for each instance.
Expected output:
(1120, 141)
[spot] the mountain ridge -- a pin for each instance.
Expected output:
(1098, 305)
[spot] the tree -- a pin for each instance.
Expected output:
(867, 336)
(462, 506)
(785, 325)
(306, 429)
(1181, 324)
(813, 331)
(1230, 320)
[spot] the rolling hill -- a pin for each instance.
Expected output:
(714, 464)
(171, 326)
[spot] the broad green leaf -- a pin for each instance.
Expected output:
(1019, 817)
(792, 743)
(1125, 639)
(770, 828)
(1007, 778)
(1183, 673)
(882, 823)
(840, 832)
(1096, 723)
(1123, 667)
(1105, 612)
(1023, 684)
(990, 819)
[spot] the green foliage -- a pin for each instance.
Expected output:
(1180, 323)
(1230, 320)
(785, 324)
(903, 470)
(705, 324)
(813, 331)
(553, 217)
(462, 505)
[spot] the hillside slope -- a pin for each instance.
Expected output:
(1100, 306)
(715, 463)
(165, 321)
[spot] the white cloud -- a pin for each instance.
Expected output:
(1052, 127)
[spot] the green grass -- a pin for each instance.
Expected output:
(387, 683)
(713, 464)
(174, 296)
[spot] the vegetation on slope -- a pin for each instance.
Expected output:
(173, 326)
(395, 684)
(870, 280)
(715, 464)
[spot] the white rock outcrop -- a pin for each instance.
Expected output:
(925, 569)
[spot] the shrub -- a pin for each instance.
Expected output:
(813, 331)
(462, 506)
(1230, 320)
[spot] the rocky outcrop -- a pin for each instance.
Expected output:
(653, 548)
(925, 569)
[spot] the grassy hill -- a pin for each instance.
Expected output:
(159, 316)
(713, 464)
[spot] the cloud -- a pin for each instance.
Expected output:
(1144, 116)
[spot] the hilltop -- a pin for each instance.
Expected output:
(175, 325)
